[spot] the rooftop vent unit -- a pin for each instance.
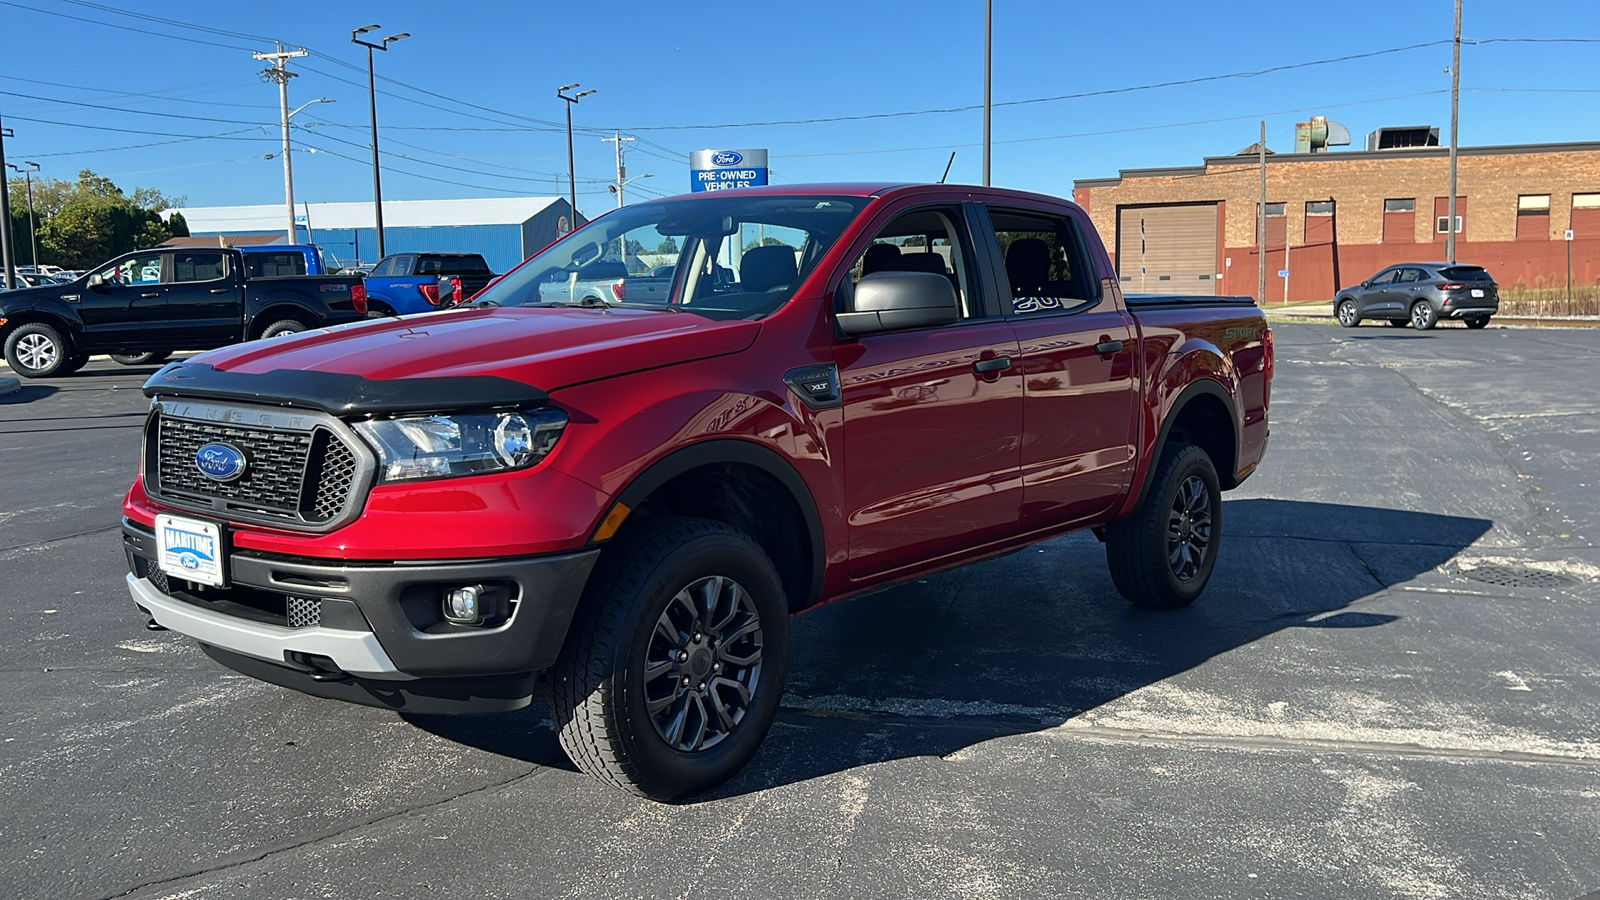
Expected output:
(1403, 137)
(1317, 135)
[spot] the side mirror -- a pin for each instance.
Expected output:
(95, 282)
(893, 301)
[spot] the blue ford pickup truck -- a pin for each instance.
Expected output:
(409, 282)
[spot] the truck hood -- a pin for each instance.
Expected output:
(546, 348)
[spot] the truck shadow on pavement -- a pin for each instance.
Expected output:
(1028, 641)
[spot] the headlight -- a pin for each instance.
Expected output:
(441, 446)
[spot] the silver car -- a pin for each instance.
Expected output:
(1420, 294)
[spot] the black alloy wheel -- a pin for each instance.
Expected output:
(1348, 317)
(1162, 556)
(1422, 315)
(671, 674)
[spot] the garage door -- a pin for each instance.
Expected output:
(1167, 249)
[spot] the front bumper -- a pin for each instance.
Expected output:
(371, 621)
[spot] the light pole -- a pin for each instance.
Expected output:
(278, 73)
(572, 178)
(8, 270)
(1455, 127)
(988, 42)
(372, 103)
(33, 229)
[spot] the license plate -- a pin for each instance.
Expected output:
(191, 549)
(1477, 292)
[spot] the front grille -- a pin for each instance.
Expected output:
(300, 469)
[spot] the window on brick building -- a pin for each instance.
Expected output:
(1319, 223)
(1441, 217)
(1585, 220)
(1400, 220)
(1277, 226)
(1533, 217)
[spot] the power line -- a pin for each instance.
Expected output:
(150, 94)
(141, 112)
(175, 37)
(198, 137)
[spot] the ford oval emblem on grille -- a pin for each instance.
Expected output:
(727, 158)
(219, 461)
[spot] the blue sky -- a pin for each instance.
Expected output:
(660, 66)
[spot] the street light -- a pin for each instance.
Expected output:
(288, 172)
(33, 233)
(372, 104)
(572, 178)
(8, 272)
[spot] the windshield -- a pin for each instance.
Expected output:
(725, 257)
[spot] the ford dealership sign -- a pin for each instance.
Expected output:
(722, 170)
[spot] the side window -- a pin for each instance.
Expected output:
(142, 269)
(383, 269)
(1047, 264)
(1408, 276)
(1383, 278)
(193, 265)
(403, 266)
(427, 266)
(924, 240)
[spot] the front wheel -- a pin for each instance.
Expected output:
(672, 673)
(37, 350)
(142, 359)
(1422, 315)
(1348, 317)
(1477, 322)
(1161, 556)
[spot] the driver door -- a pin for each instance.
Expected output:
(127, 309)
(1378, 300)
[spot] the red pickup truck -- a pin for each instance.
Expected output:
(621, 504)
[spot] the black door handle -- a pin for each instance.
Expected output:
(151, 294)
(998, 364)
(1108, 347)
(220, 290)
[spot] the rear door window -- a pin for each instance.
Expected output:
(1407, 276)
(1047, 265)
(197, 265)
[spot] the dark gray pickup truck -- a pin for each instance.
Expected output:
(142, 306)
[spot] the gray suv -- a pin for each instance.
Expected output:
(1421, 294)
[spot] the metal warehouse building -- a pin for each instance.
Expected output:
(1334, 219)
(506, 230)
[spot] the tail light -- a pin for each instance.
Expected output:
(358, 297)
(1451, 286)
(456, 293)
(430, 292)
(620, 289)
(1267, 367)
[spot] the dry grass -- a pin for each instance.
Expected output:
(1521, 300)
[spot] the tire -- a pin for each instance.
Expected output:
(1181, 511)
(625, 694)
(37, 350)
(1478, 322)
(1400, 323)
(379, 311)
(74, 363)
(142, 359)
(1348, 316)
(283, 328)
(1422, 315)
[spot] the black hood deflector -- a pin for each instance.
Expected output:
(343, 394)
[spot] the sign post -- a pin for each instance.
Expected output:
(1569, 271)
(723, 170)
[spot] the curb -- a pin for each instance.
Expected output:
(9, 384)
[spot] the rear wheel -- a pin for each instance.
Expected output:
(142, 359)
(672, 673)
(1422, 315)
(1348, 317)
(1161, 556)
(283, 328)
(37, 350)
(1478, 322)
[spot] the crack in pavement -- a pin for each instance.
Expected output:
(329, 834)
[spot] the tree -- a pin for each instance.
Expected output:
(668, 246)
(84, 224)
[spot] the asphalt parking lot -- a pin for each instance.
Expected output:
(1389, 690)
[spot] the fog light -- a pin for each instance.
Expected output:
(464, 606)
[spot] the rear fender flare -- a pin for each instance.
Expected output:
(1207, 387)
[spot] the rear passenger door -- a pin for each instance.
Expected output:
(1078, 364)
(931, 415)
(205, 300)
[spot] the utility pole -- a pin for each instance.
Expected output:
(372, 105)
(8, 268)
(281, 75)
(572, 178)
(988, 46)
(1261, 221)
(1455, 128)
(622, 170)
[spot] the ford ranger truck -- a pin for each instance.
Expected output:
(619, 507)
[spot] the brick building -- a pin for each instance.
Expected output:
(1193, 229)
